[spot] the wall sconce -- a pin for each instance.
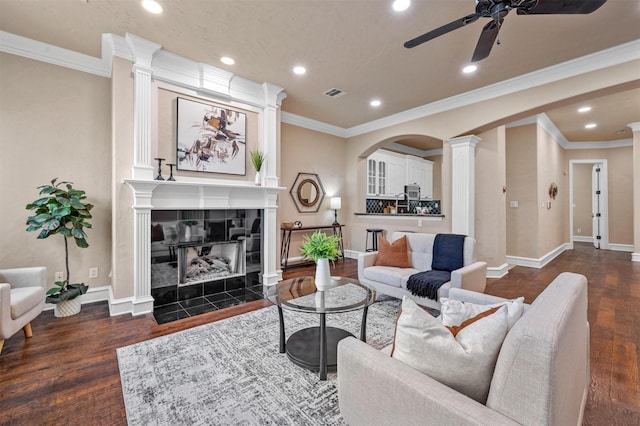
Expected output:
(335, 203)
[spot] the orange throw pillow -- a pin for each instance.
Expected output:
(393, 254)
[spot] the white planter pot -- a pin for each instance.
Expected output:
(67, 308)
(258, 179)
(323, 274)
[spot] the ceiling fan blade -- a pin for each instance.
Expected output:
(459, 23)
(560, 7)
(487, 39)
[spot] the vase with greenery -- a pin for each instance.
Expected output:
(322, 249)
(257, 158)
(62, 210)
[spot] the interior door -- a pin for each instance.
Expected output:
(596, 213)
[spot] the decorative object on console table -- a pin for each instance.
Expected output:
(257, 158)
(321, 248)
(159, 160)
(210, 138)
(62, 211)
(335, 203)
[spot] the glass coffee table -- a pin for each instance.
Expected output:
(316, 348)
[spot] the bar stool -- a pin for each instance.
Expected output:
(374, 233)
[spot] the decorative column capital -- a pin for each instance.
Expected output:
(469, 140)
(635, 127)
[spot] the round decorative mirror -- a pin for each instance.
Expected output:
(307, 192)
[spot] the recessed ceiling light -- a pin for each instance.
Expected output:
(469, 69)
(584, 109)
(401, 5)
(152, 6)
(299, 70)
(227, 60)
(375, 103)
(591, 126)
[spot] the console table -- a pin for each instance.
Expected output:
(285, 243)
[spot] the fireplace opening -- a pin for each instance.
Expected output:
(210, 262)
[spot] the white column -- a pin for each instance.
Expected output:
(635, 127)
(143, 51)
(142, 300)
(273, 96)
(462, 184)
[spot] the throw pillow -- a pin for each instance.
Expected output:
(393, 254)
(464, 362)
(454, 312)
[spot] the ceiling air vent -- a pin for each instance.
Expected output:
(334, 93)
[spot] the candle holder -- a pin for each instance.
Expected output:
(171, 165)
(160, 160)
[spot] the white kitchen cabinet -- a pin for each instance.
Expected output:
(388, 172)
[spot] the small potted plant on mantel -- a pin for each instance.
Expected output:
(257, 158)
(321, 248)
(62, 211)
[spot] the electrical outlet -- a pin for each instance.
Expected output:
(419, 223)
(59, 276)
(513, 204)
(93, 272)
(579, 230)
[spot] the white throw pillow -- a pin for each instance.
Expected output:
(464, 362)
(455, 312)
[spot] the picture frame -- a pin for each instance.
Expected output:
(210, 138)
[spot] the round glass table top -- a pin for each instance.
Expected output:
(301, 294)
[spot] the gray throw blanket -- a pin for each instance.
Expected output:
(448, 250)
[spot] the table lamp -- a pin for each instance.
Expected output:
(335, 203)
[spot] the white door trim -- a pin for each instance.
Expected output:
(604, 200)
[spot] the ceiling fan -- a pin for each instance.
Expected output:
(497, 10)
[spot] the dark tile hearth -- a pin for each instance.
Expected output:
(202, 304)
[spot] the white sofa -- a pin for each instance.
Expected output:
(541, 375)
(393, 281)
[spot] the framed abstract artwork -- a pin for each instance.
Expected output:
(210, 138)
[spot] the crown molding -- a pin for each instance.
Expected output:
(43, 52)
(308, 123)
(545, 122)
(616, 55)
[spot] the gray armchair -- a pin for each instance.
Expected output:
(22, 297)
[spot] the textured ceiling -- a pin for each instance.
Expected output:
(353, 45)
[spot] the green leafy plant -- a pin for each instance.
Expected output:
(61, 211)
(257, 158)
(320, 246)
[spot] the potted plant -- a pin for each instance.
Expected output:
(321, 248)
(257, 158)
(62, 211)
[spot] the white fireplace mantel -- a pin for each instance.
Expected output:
(194, 195)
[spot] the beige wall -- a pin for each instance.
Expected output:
(490, 211)
(307, 151)
(582, 221)
(54, 122)
(551, 212)
(437, 176)
(620, 179)
(521, 177)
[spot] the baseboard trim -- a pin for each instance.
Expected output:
(498, 271)
(635, 257)
(540, 262)
(621, 247)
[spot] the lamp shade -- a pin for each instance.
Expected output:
(335, 203)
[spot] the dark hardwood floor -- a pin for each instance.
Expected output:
(67, 373)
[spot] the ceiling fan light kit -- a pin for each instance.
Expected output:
(497, 10)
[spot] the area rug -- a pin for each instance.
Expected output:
(230, 372)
